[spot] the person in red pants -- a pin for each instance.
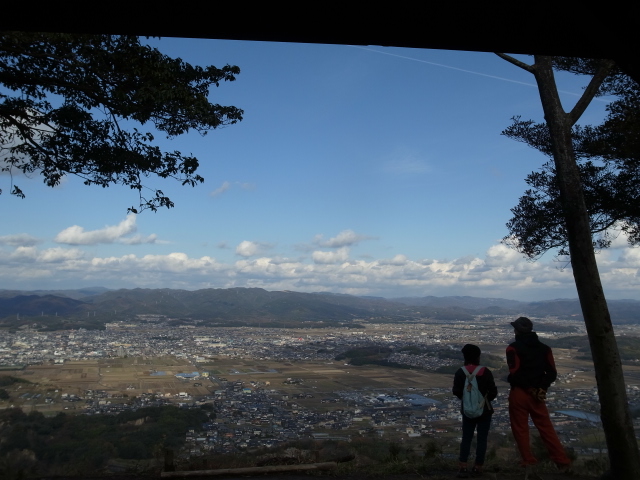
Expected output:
(532, 370)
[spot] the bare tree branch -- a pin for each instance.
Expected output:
(590, 92)
(516, 62)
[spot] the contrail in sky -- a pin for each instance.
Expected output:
(466, 71)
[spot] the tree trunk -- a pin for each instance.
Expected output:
(614, 406)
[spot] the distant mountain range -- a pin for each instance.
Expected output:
(251, 305)
(75, 294)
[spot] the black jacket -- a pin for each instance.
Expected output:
(531, 363)
(486, 385)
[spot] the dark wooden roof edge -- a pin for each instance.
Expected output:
(516, 28)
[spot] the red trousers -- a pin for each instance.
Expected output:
(521, 405)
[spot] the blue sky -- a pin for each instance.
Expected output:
(363, 170)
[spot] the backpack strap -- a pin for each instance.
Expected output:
(471, 375)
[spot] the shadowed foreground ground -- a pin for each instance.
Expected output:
(435, 475)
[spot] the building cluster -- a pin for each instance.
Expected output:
(255, 417)
(253, 414)
(197, 344)
(152, 335)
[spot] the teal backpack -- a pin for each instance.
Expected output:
(472, 400)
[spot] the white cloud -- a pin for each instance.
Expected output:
(346, 238)
(619, 239)
(498, 273)
(20, 239)
(24, 254)
(247, 248)
(397, 260)
(502, 255)
(250, 249)
(60, 255)
(221, 189)
(227, 185)
(338, 256)
(76, 235)
(49, 255)
(139, 239)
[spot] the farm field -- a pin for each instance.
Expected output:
(322, 380)
(317, 380)
(134, 376)
(120, 377)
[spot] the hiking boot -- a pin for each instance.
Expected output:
(564, 468)
(462, 471)
(476, 471)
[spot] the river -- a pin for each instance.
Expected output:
(592, 417)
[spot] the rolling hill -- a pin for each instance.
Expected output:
(246, 306)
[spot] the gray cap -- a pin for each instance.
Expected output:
(523, 325)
